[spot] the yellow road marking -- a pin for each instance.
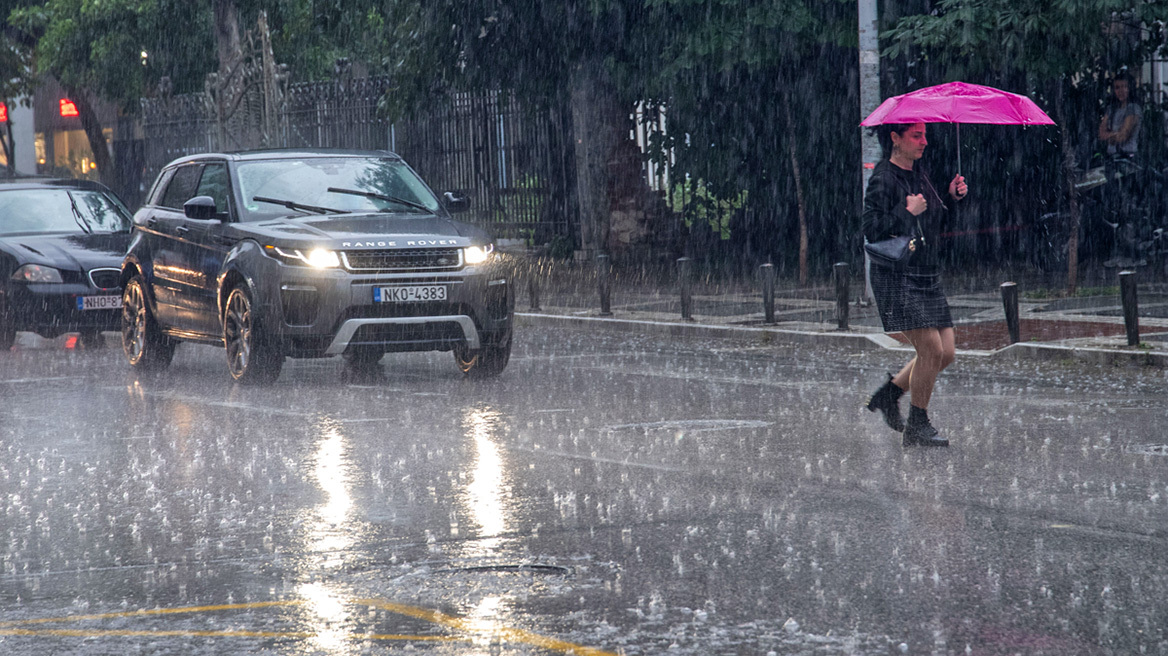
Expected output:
(504, 633)
(473, 627)
(156, 611)
(300, 635)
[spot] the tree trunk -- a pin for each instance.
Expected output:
(9, 147)
(91, 124)
(596, 127)
(227, 44)
(799, 199)
(1069, 177)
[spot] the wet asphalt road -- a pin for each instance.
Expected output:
(607, 495)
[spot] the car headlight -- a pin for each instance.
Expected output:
(36, 273)
(317, 258)
(477, 254)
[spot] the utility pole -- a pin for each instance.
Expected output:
(869, 99)
(869, 84)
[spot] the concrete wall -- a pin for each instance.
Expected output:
(23, 137)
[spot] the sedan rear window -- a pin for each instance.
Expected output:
(24, 211)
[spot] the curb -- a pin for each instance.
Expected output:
(869, 341)
(1105, 356)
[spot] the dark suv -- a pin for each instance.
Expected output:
(309, 254)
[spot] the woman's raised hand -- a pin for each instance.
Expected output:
(958, 188)
(916, 204)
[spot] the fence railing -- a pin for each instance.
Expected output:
(487, 146)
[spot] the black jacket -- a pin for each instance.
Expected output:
(885, 215)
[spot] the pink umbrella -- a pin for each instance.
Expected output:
(958, 102)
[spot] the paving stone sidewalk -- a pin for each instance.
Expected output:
(1089, 326)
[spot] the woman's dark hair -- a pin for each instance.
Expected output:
(1123, 76)
(884, 135)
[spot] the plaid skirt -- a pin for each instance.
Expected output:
(910, 299)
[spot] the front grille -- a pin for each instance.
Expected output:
(413, 259)
(105, 278)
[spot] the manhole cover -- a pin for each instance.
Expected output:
(1147, 449)
(692, 425)
(546, 570)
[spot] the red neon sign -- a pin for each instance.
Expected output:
(68, 109)
(3, 113)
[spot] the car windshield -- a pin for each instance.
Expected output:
(358, 184)
(24, 211)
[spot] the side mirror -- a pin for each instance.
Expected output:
(455, 204)
(200, 208)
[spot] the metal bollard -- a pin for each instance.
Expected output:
(768, 291)
(840, 273)
(684, 276)
(604, 282)
(1010, 304)
(533, 286)
(1131, 309)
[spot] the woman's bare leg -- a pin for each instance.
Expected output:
(932, 356)
(948, 347)
(902, 377)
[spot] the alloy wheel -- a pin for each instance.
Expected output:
(134, 322)
(237, 332)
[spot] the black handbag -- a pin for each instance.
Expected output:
(890, 253)
(895, 252)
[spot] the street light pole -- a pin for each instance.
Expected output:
(869, 83)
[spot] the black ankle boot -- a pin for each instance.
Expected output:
(918, 430)
(886, 400)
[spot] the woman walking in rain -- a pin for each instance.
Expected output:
(900, 200)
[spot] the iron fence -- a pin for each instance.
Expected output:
(506, 157)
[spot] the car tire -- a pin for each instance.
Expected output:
(146, 348)
(486, 362)
(7, 335)
(253, 357)
(7, 330)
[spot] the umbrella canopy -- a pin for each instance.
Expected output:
(958, 102)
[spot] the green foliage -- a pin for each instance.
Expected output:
(524, 204)
(696, 203)
(1045, 293)
(1047, 40)
(16, 62)
(720, 73)
(561, 247)
(99, 45)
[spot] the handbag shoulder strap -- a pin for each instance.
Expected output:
(903, 186)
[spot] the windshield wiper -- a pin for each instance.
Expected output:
(293, 205)
(77, 218)
(385, 197)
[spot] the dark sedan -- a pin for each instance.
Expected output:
(61, 249)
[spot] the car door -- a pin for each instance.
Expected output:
(205, 245)
(170, 279)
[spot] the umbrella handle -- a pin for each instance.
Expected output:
(958, 148)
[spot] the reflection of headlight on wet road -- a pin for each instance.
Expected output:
(329, 532)
(486, 496)
(329, 630)
(330, 535)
